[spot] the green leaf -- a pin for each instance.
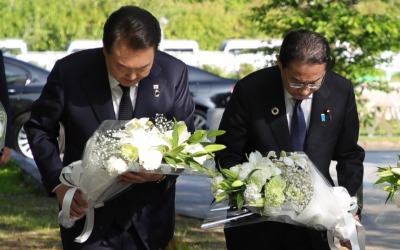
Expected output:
(201, 153)
(237, 183)
(175, 151)
(175, 135)
(214, 147)
(396, 171)
(197, 137)
(170, 160)
(250, 174)
(229, 173)
(239, 200)
(163, 149)
(215, 133)
(221, 197)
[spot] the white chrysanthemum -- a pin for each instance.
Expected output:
(252, 193)
(115, 166)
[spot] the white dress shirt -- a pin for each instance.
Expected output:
(116, 93)
(305, 106)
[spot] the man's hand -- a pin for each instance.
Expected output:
(78, 205)
(6, 156)
(139, 177)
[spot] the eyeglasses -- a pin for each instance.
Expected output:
(311, 85)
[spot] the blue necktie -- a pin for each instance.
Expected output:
(298, 127)
(125, 106)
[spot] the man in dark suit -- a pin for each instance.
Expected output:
(83, 90)
(259, 117)
(5, 152)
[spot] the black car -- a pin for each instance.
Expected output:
(25, 82)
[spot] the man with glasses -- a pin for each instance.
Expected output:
(298, 105)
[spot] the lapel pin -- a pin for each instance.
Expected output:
(275, 111)
(326, 116)
(156, 90)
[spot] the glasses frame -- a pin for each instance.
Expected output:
(309, 86)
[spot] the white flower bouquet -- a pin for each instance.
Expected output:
(287, 189)
(161, 146)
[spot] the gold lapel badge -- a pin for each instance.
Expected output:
(156, 90)
(275, 111)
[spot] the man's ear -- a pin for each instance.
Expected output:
(278, 59)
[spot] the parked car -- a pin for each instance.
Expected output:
(25, 82)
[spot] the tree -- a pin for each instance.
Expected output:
(358, 36)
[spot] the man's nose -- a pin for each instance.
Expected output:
(131, 75)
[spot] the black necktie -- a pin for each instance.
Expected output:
(125, 106)
(298, 127)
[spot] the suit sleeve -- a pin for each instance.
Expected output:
(234, 123)
(43, 128)
(184, 105)
(348, 154)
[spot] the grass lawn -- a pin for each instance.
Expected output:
(28, 218)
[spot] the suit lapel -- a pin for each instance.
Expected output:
(276, 115)
(97, 88)
(146, 93)
(317, 126)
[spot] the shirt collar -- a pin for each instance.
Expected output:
(114, 83)
(290, 97)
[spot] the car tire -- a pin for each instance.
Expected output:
(200, 119)
(21, 144)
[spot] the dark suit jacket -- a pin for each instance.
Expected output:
(78, 95)
(251, 125)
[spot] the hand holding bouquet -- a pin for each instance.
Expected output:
(161, 146)
(287, 189)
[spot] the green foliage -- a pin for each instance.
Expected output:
(51, 25)
(357, 36)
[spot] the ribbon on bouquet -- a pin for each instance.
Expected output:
(71, 176)
(356, 232)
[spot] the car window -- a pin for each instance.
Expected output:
(16, 76)
(199, 75)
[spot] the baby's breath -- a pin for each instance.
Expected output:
(299, 190)
(162, 123)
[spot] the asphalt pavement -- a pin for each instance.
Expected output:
(381, 221)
